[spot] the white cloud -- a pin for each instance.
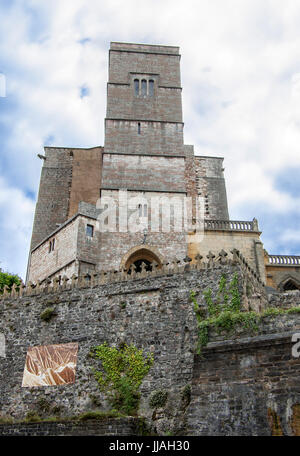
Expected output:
(15, 228)
(290, 236)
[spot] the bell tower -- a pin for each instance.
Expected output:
(144, 108)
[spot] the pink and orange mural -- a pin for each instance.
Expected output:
(49, 365)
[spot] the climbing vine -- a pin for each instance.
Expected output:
(123, 370)
(225, 314)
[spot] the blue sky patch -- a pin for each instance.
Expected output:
(84, 91)
(288, 181)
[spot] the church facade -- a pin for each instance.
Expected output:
(144, 197)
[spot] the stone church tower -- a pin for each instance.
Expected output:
(142, 177)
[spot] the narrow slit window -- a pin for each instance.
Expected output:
(90, 230)
(51, 245)
(144, 87)
(140, 207)
(136, 87)
(139, 128)
(145, 210)
(151, 88)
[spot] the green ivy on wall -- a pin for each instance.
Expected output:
(225, 313)
(123, 370)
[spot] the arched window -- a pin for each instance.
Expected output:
(136, 86)
(144, 87)
(151, 88)
(143, 255)
(290, 285)
(140, 208)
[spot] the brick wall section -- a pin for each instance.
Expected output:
(107, 426)
(238, 385)
(121, 136)
(124, 105)
(126, 58)
(143, 172)
(53, 200)
(169, 245)
(86, 177)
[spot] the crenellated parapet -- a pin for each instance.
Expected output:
(175, 266)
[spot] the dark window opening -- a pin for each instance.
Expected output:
(151, 87)
(136, 86)
(144, 87)
(290, 286)
(51, 245)
(139, 128)
(90, 230)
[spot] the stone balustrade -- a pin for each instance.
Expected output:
(231, 225)
(103, 277)
(284, 260)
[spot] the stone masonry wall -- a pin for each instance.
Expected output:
(107, 426)
(53, 199)
(86, 177)
(243, 383)
(210, 184)
(143, 172)
(44, 263)
(154, 313)
(244, 241)
(160, 138)
(248, 386)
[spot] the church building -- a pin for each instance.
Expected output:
(145, 196)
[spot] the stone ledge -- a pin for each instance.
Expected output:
(105, 426)
(245, 342)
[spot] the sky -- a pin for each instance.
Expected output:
(240, 70)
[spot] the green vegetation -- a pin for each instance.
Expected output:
(8, 279)
(47, 314)
(123, 372)
(225, 313)
(158, 399)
